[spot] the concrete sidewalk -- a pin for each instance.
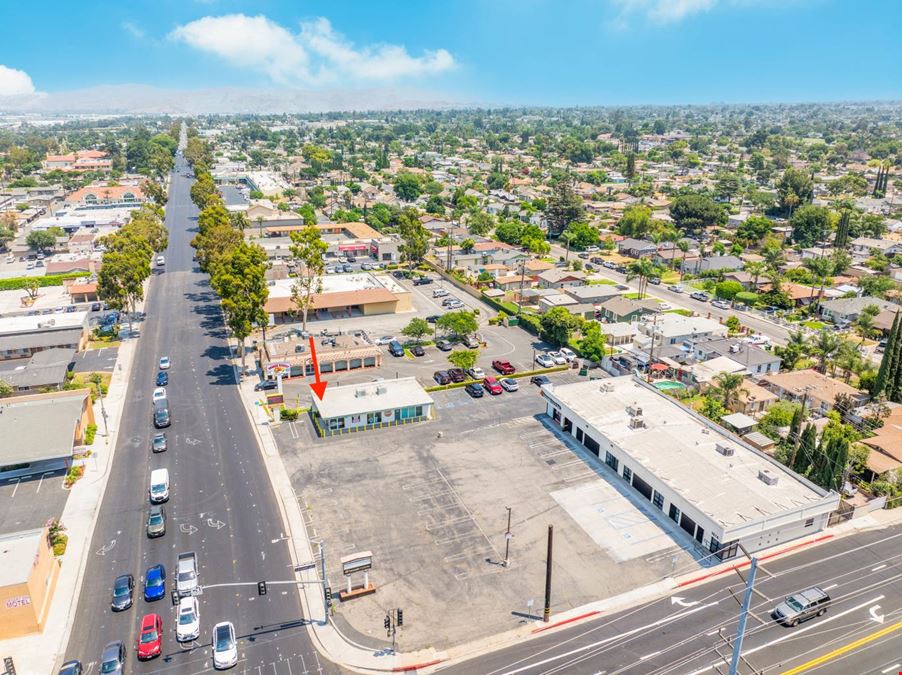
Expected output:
(44, 652)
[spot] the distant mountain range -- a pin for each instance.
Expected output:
(143, 99)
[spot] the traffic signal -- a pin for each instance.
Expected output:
(328, 593)
(400, 617)
(386, 622)
(261, 588)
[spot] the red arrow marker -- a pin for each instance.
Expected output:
(318, 387)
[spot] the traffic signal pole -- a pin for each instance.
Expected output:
(546, 614)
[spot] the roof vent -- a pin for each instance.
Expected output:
(381, 389)
(725, 450)
(637, 422)
(634, 410)
(360, 393)
(768, 477)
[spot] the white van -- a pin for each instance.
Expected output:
(159, 486)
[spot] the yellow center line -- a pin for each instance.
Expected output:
(845, 649)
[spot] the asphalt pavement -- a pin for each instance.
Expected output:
(683, 633)
(221, 504)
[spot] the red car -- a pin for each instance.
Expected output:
(491, 385)
(150, 640)
(504, 367)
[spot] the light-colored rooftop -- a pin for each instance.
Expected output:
(17, 553)
(23, 324)
(358, 399)
(39, 427)
(679, 448)
(342, 283)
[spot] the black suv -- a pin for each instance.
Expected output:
(422, 281)
(457, 374)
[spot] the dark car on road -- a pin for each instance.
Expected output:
(457, 374)
(158, 442)
(432, 318)
(417, 350)
(162, 378)
(475, 389)
(395, 348)
(122, 592)
(161, 413)
(539, 380)
(422, 281)
(442, 377)
(266, 385)
(71, 668)
(154, 583)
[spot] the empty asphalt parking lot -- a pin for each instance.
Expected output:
(430, 501)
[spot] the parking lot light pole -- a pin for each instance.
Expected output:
(507, 538)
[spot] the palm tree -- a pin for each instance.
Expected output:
(826, 346)
(849, 360)
(643, 269)
(865, 322)
(773, 256)
(822, 269)
(756, 269)
(729, 388)
(683, 245)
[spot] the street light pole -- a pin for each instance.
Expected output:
(507, 538)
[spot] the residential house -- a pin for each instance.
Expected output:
(704, 375)
(863, 246)
(593, 294)
(715, 263)
(618, 334)
(637, 248)
(80, 160)
(758, 362)
(111, 196)
(847, 310)
(44, 370)
(555, 300)
(815, 391)
(675, 258)
(753, 399)
(673, 329)
(886, 445)
(560, 277)
(23, 336)
(620, 309)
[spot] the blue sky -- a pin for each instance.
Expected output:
(557, 52)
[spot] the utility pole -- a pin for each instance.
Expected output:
(743, 618)
(507, 538)
(522, 278)
(546, 614)
(651, 352)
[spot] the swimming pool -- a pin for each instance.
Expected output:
(665, 385)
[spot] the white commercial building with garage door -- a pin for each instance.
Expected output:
(721, 491)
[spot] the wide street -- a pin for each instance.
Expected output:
(861, 632)
(221, 504)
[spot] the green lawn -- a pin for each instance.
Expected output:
(681, 312)
(601, 282)
(814, 325)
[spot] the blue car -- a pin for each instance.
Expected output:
(154, 583)
(162, 378)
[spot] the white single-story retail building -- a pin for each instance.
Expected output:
(357, 407)
(721, 491)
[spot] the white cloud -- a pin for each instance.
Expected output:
(316, 55)
(662, 11)
(15, 82)
(133, 30)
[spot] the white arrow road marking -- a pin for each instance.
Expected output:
(798, 631)
(677, 600)
(875, 614)
(106, 548)
(192, 441)
(216, 524)
(187, 529)
(659, 622)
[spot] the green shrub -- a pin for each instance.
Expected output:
(289, 414)
(18, 283)
(90, 432)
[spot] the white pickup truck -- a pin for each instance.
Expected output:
(186, 575)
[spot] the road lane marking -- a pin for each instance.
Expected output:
(878, 568)
(845, 649)
(648, 656)
(895, 666)
(795, 633)
(666, 619)
(830, 587)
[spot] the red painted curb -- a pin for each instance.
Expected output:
(746, 563)
(566, 621)
(416, 666)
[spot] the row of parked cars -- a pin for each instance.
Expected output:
(559, 358)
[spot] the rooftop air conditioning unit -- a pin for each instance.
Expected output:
(637, 422)
(736, 348)
(725, 450)
(768, 477)
(381, 389)
(634, 410)
(359, 393)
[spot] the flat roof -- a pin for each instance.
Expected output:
(358, 399)
(679, 448)
(42, 322)
(39, 427)
(17, 554)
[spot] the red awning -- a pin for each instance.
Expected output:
(659, 366)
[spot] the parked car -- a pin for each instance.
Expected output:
(491, 385)
(656, 281)
(720, 304)
(432, 318)
(422, 281)
(395, 348)
(154, 583)
(150, 638)
(158, 442)
(457, 374)
(544, 360)
(568, 354)
(266, 385)
(475, 390)
(188, 626)
(439, 293)
(539, 380)
(457, 304)
(504, 367)
(621, 287)
(159, 394)
(444, 345)
(347, 268)
(476, 373)
(676, 288)
(225, 647)
(122, 592)
(449, 300)
(441, 377)
(510, 384)
(700, 296)
(609, 264)
(471, 342)
(162, 378)
(385, 339)
(165, 363)
(71, 668)
(112, 658)
(417, 350)
(156, 521)
(558, 358)
(161, 261)
(801, 606)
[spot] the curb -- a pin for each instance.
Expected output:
(416, 666)
(565, 622)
